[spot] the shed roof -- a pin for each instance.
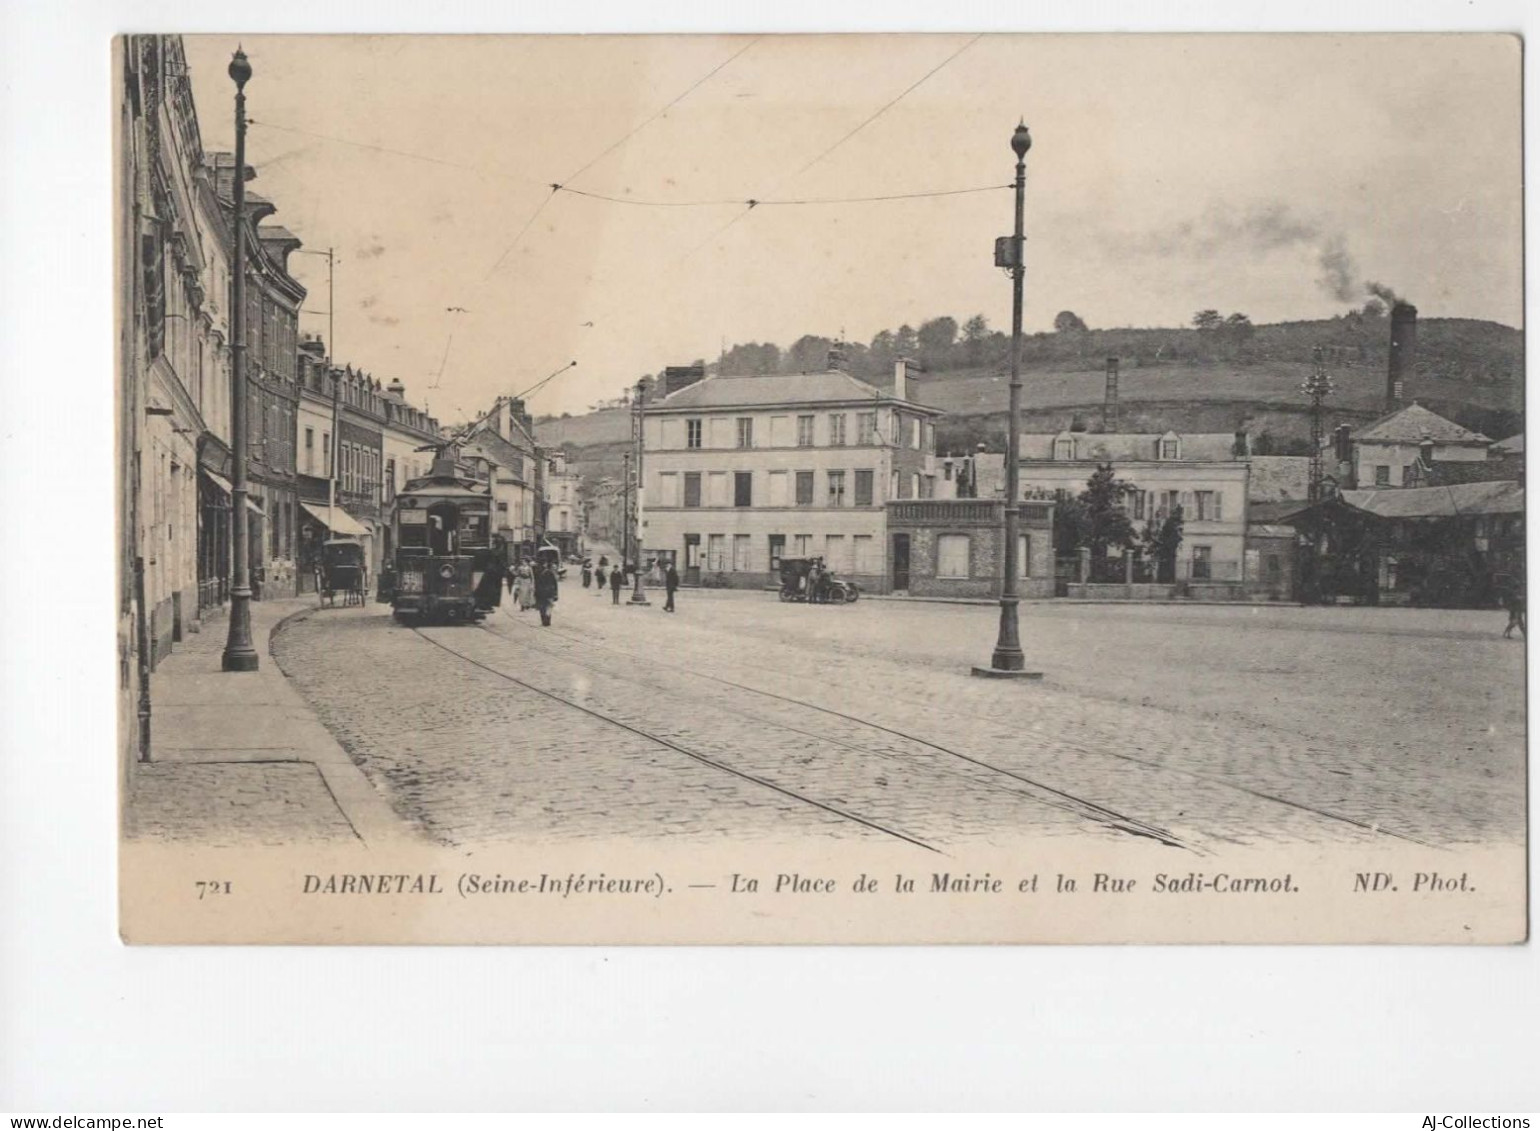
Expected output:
(1502, 497)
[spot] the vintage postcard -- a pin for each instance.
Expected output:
(812, 489)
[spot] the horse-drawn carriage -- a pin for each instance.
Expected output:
(808, 579)
(343, 570)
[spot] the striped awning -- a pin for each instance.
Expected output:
(342, 522)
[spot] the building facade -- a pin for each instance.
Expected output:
(1398, 449)
(1205, 474)
(499, 449)
(564, 511)
(740, 472)
(273, 300)
(955, 547)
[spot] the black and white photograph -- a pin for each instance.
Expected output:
(926, 488)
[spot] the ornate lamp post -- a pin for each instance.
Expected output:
(638, 596)
(1008, 662)
(239, 654)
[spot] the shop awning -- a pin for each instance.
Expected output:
(343, 522)
(224, 485)
(218, 480)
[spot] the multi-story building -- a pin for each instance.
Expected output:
(273, 299)
(563, 512)
(407, 437)
(1206, 474)
(1399, 449)
(172, 392)
(740, 472)
(499, 448)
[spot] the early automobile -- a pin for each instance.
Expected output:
(808, 579)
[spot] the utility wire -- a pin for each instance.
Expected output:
(555, 188)
(887, 106)
(883, 109)
(362, 145)
(658, 114)
(764, 203)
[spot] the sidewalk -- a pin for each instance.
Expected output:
(238, 758)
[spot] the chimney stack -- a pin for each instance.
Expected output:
(396, 387)
(1344, 444)
(1403, 353)
(837, 360)
(1110, 402)
(901, 378)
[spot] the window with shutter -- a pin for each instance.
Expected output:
(952, 556)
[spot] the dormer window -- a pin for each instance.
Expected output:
(1170, 447)
(1064, 447)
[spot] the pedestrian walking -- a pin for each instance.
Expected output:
(588, 573)
(489, 590)
(670, 583)
(617, 579)
(546, 592)
(1513, 601)
(526, 588)
(600, 578)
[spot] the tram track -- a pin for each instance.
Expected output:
(1324, 814)
(1014, 782)
(679, 748)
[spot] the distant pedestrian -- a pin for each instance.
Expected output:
(1513, 601)
(670, 583)
(588, 573)
(546, 591)
(599, 577)
(617, 579)
(526, 587)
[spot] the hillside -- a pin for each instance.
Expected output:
(1469, 371)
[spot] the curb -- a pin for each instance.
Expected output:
(370, 815)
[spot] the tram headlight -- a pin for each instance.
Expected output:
(446, 571)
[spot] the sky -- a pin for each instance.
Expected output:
(1276, 176)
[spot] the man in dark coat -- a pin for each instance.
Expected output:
(670, 583)
(617, 579)
(546, 587)
(588, 573)
(489, 590)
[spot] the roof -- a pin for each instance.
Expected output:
(489, 445)
(1504, 497)
(1267, 514)
(1269, 530)
(1513, 444)
(1103, 447)
(1413, 424)
(831, 387)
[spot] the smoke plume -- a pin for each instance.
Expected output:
(1383, 293)
(1262, 228)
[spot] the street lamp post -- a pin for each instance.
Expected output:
(638, 596)
(239, 655)
(1008, 661)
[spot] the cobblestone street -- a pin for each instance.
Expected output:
(741, 717)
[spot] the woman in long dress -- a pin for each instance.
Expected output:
(526, 587)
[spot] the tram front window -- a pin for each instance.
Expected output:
(441, 529)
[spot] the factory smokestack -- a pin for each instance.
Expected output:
(1110, 401)
(1403, 353)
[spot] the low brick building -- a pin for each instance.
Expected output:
(956, 547)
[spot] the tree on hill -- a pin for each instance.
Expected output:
(808, 354)
(1238, 327)
(1207, 321)
(936, 339)
(974, 333)
(1067, 320)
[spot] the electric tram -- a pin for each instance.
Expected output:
(441, 526)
